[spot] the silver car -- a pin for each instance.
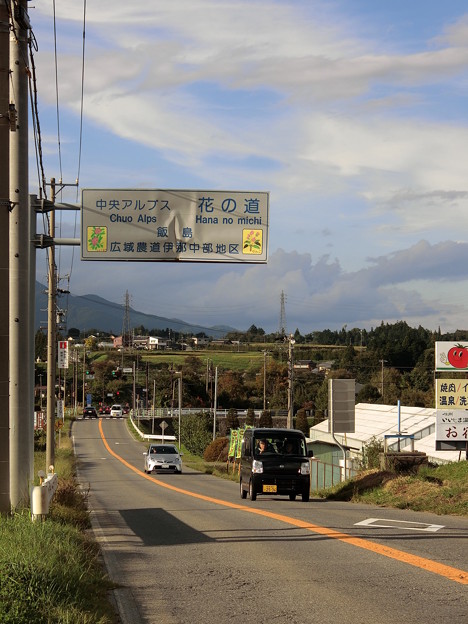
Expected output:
(164, 457)
(116, 411)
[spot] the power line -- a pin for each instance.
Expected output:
(57, 92)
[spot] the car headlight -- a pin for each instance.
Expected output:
(257, 466)
(305, 468)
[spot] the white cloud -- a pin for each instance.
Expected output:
(362, 143)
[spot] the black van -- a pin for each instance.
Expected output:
(274, 461)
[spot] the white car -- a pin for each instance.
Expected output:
(116, 411)
(163, 457)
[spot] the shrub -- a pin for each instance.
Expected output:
(196, 432)
(217, 450)
(265, 419)
(371, 452)
(250, 418)
(232, 421)
(301, 422)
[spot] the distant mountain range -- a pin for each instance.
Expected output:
(93, 312)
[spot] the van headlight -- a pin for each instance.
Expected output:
(257, 466)
(305, 468)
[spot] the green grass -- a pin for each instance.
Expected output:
(236, 361)
(51, 571)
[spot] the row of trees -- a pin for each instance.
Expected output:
(395, 363)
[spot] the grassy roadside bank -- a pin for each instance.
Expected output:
(51, 571)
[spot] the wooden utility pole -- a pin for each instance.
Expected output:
(51, 341)
(4, 260)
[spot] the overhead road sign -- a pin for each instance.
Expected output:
(174, 225)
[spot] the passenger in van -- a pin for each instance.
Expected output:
(289, 447)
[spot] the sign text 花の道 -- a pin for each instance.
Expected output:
(174, 225)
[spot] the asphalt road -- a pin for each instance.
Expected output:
(186, 549)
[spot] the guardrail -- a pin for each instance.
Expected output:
(42, 494)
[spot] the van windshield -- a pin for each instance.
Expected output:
(280, 445)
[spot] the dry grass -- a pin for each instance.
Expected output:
(442, 490)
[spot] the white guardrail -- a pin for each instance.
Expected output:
(42, 494)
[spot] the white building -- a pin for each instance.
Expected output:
(154, 343)
(378, 421)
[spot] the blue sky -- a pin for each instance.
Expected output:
(352, 114)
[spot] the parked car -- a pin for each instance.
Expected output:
(275, 462)
(164, 457)
(90, 412)
(116, 411)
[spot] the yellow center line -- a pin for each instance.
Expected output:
(453, 574)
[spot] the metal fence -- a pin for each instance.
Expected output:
(323, 475)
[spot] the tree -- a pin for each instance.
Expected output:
(265, 419)
(301, 421)
(232, 421)
(250, 418)
(40, 344)
(195, 431)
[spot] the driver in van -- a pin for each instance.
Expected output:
(264, 446)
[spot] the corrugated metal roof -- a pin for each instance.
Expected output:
(377, 421)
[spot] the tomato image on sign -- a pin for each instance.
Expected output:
(457, 357)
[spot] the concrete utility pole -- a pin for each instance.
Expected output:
(21, 352)
(265, 353)
(51, 341)
(290, 419)
(4, 261)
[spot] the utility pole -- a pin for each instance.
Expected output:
(215, 401)
(4, 261)
(290, 420)
(21, 246)
(51, 340)
(382, 362)
(264, 379)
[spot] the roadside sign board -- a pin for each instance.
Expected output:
(451, 356)
(127, 370)
(174, 225)
(62, 354)
(451, 429)
(341, 406)
(452, 394)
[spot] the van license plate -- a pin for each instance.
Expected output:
(269, 488)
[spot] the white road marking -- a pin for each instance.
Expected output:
(377, 523)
